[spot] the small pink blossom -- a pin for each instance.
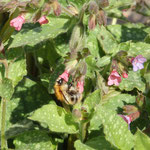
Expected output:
(114, 78)
(43, 20)
(137, 62)
(127, 119)
(80, 85)
(124, 75)
(17, 22)
(65, 75)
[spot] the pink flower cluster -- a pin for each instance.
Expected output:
(17, 22)
(115, 78)
(137, 63)
(20, 20)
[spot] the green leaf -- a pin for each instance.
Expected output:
(92, 100)
(34, 140)
(134, 80)
(139, 48)
(103, 61)
(27, 97)
(107, 41)
(80, 146)
(147, 77)
(95, 122)
(17, 70)
(99, 143)
(48, 52)
(127, 32)
(91, 62)
(119, 3)
(57, 119)
(115, 129)
(92, 43)
(6, 89)
(142, 141)
(38, 34)
(118, 101)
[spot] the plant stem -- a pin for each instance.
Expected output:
(82, 130)
(3, 124)
(114, 21)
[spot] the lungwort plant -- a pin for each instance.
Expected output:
(74, 74)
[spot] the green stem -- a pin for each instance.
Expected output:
(3, 111)
(114, 21)
(3, 124)
(82, 130)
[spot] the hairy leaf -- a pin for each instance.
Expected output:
(6, 89)
(142, 141)
(115, 129)
(34, 140)
(57, 119)
(134, 80)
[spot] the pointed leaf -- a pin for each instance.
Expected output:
(134, 80)
(115, 129)
(92, 100)
(107, 41)
(34, 140)
(17, 70)
(142, 141)
(139, 48)
(57, 119)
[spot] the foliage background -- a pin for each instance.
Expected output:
(35, 120)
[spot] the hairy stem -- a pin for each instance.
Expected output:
(114, 21)
(3, 111)
(3, 124)
(82, 130)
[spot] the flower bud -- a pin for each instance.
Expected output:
(102, 3)
(73, 10)
(134, 115)
(43, 20)
(128, 109)
(92, 22)
(77, 113)
(124, 75)
(140, 99)
(101, 18)
(56, 8)
(17, 22)
(93, 7)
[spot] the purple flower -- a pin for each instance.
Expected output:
(137, 62)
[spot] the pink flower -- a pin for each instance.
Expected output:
(65, 75)
(80, 85)
(137, 62)
(124, 75)
(114, 78)
(17, 22)
(43, 20)
(127, 119)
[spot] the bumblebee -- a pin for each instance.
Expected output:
(67, 93)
